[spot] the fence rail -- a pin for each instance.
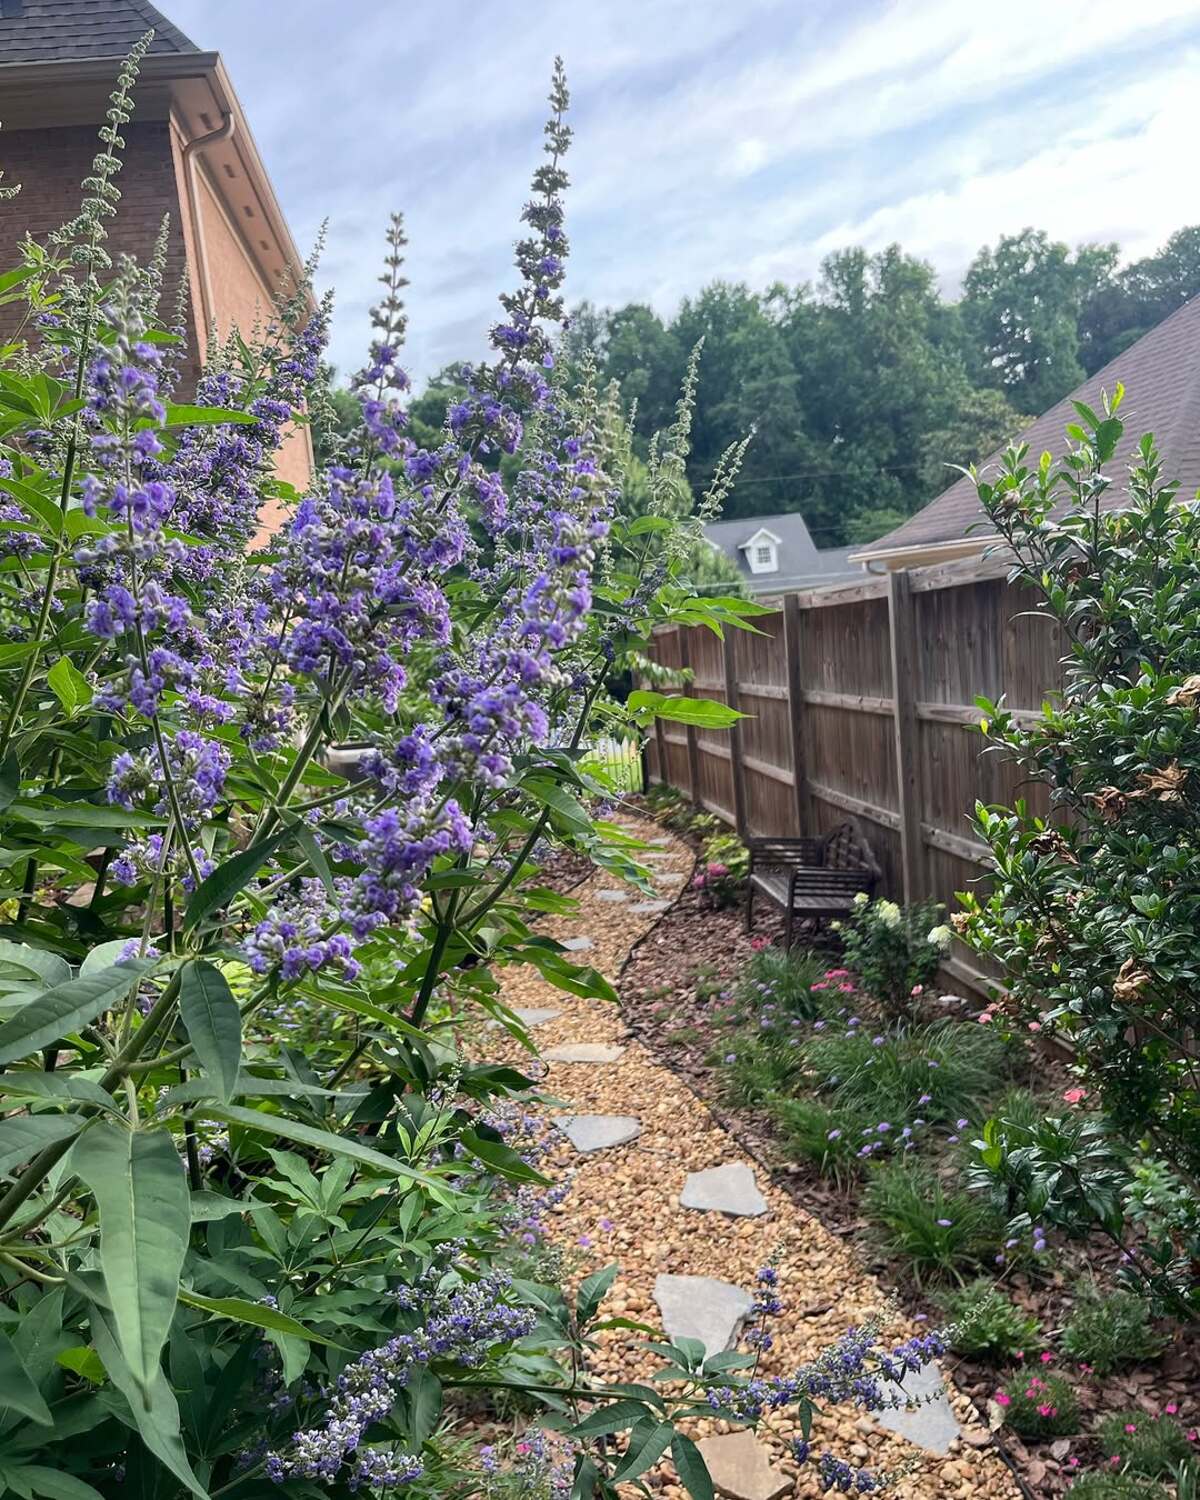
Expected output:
(860, 700)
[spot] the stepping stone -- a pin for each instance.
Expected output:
(584, 1052)
(741, 1467)
(598, 1132)
(644, 908)
(700, 1307)
(612, 895)
(730, 1189)
(533, 1016)
(578, 944)
(932, 1424)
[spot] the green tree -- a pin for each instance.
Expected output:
(1143, 294)
(1021, 308)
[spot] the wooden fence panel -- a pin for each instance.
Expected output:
(861, 701)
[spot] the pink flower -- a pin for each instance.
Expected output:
(1020, 1354)
(1075, 1096)
(1086, 1368)
(1001, 1398)
(1130, 1427)
(716, 869)
(1046, 1410)
(1035, 1026)
(1191, 1436)
(837, 973)
(985, 1017)
(1072, 1462)
(917, 989)
(759, 943)
(820, 985)
(1171, 1408)
(1047, 1357)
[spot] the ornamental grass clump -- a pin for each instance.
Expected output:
(940, 1231)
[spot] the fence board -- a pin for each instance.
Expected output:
(849, 714)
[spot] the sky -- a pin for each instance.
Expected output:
(741, 140)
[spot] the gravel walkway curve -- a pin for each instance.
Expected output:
(624, 1205)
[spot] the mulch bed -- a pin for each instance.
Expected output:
(667, 988)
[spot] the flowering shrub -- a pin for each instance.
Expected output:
(1039, 1406)
(894, 951)
(260, 1217)
(721, 869)
(1093, 912)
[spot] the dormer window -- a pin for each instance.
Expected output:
(761, 551)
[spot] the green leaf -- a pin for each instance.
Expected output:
(36, 1479)
(23, 1136)
(705, 713)
(214, 1024)
(648, 1441)
(60, 1088)
(138, 1182)
(84, 1362)
(67, 1007)
(312, 851)
(614, 1417)
(219, 888)
(10, 779)
(322, 1140)
(31, 963)
(42, 508)
(691, 1468)
(204, 416)
(69, 685)
(155, 1412)
(209, 1206)
(255, 1313)
(500, 1158)
(592, 1291)
(18, 1391)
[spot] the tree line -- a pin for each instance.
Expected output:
(864, 386)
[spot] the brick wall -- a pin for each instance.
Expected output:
(50, 164)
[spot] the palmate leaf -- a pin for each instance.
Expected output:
(214, 1024)
(65, 1008)
(138, 1182)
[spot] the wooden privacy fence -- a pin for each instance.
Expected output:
(860, 699)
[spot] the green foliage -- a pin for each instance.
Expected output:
(985, 1324)
(1093, 914)
(1102, 1486)
(895, 951)
(1110, 1329)
(784, 978)
(941, 1231)
(1041, 1406)
(942, 1072)
(828, 1137)
(1155, 1447)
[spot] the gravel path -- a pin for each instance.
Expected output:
(624, 1205)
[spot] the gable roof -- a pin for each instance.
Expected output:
(801, 562)
(1161, 376)
(761, 534)
(79, 30)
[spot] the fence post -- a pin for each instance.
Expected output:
(736, 773)
(908, 780)
(792, 627)
(693, 747)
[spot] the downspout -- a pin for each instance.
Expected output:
(190, 152)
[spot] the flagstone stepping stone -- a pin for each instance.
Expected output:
(643, 908)
(701, 1307)
(612, 895)
(578, 944)
(598, 1132)
(931, 1424)
(741, 1468)
(534, 1016)
(730, 1189)
(584, 1052)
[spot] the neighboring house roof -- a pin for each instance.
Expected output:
(1161, 376)
(801, 563)
(75, 30)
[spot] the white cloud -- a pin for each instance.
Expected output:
(741, 141)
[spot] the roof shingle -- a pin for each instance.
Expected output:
(76, 30)
(1161, 376)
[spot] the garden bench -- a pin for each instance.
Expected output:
(811, 878)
